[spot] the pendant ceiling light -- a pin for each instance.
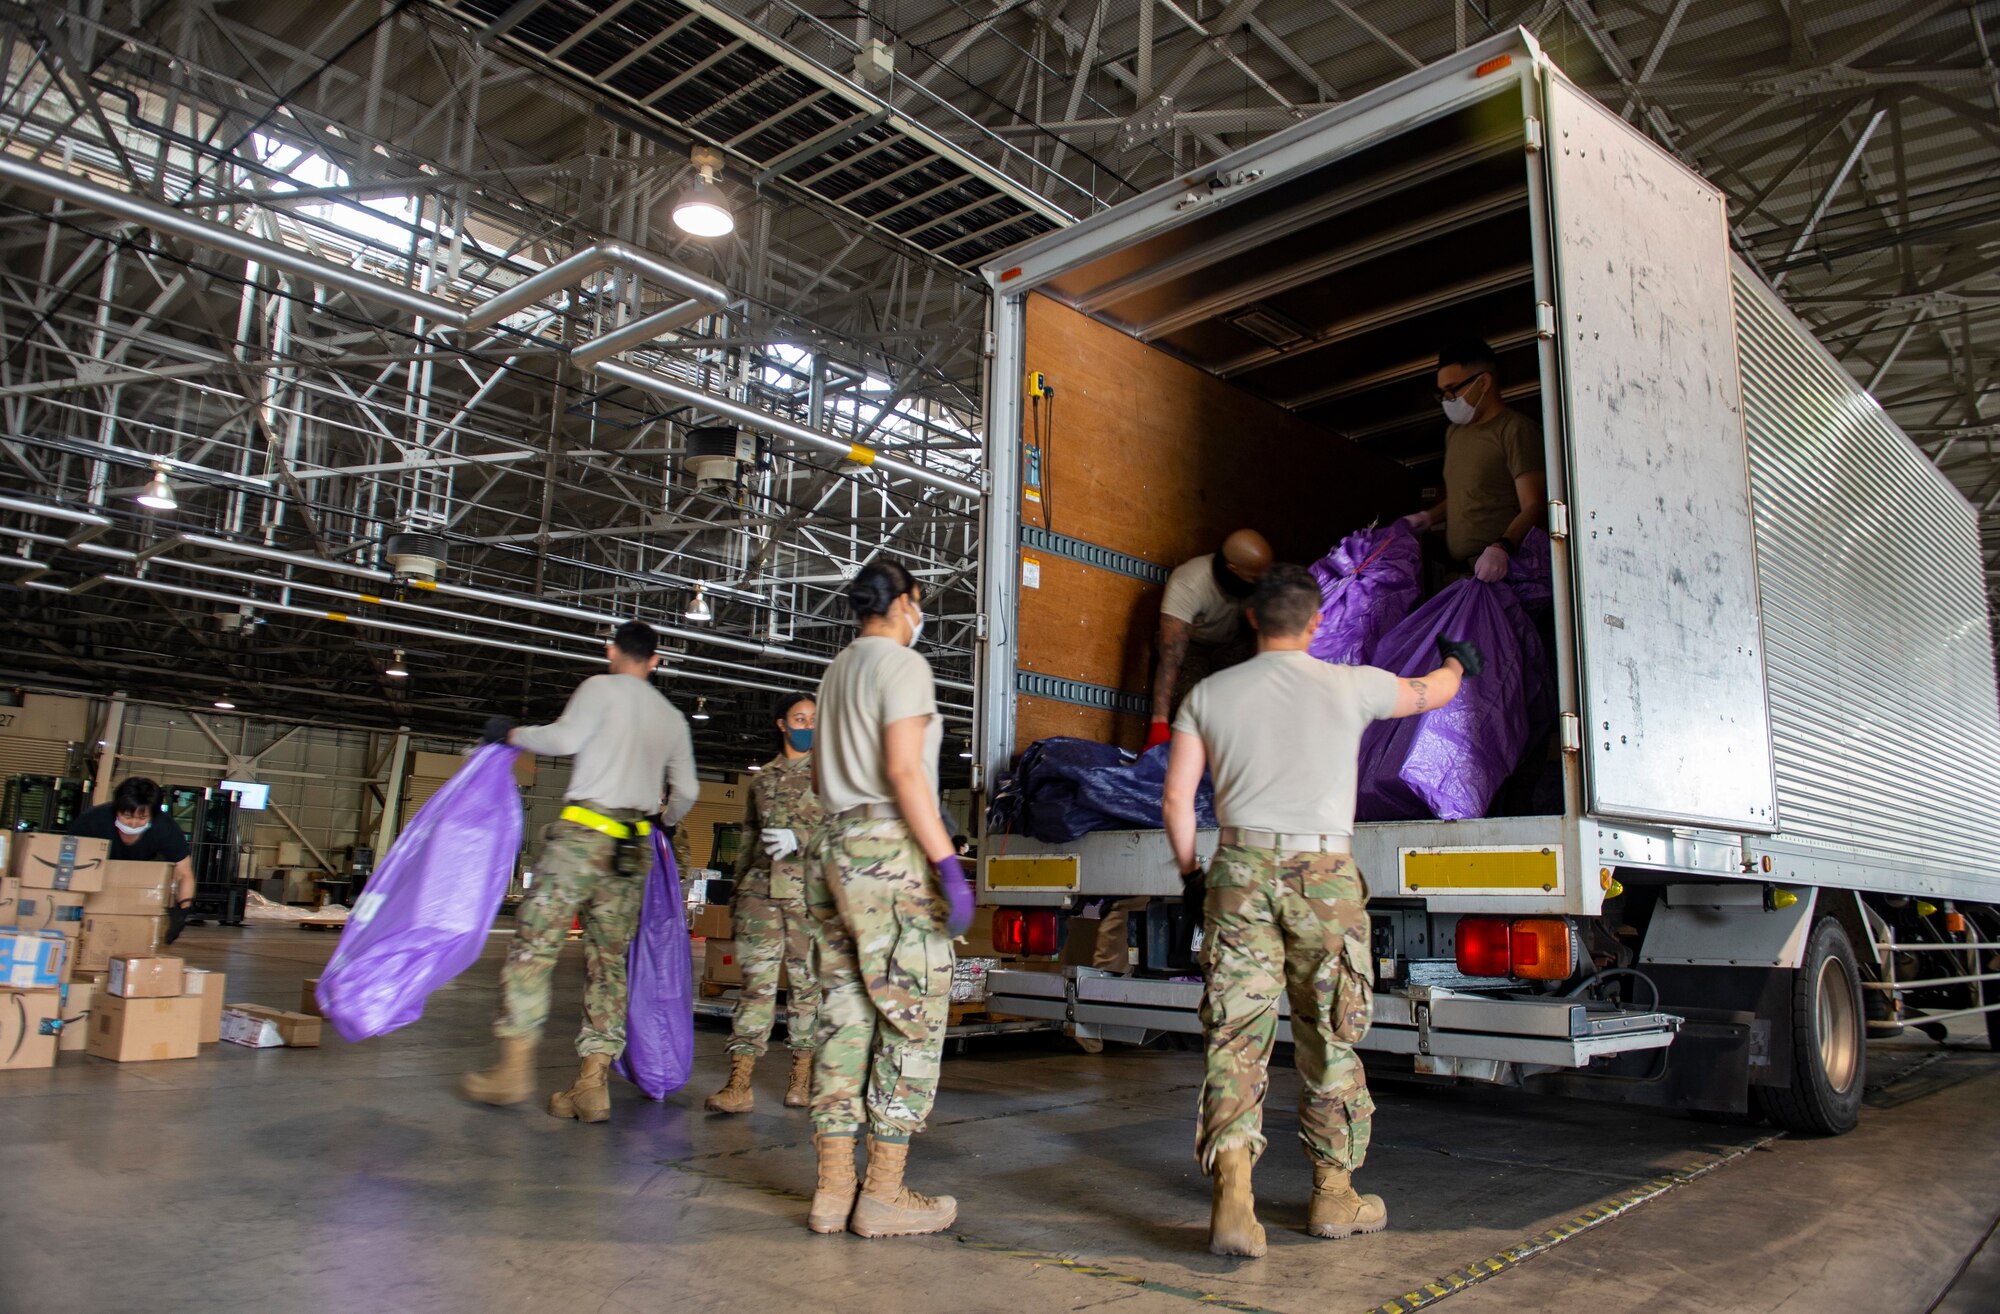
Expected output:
(159, 494)
(701, 210)
(698, 606)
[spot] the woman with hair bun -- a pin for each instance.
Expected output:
(889, 896)
(773, 929)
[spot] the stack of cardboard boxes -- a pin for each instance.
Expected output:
(80, 967)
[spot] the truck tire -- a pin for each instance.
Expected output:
(1829, 1040)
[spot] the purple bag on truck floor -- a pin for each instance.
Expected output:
(424, 916)
(1367, 585)
(659, 980)
(1449, 763)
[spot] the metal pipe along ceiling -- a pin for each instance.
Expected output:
(704, 297)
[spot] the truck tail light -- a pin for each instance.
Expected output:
(1027, 931)
(1543, 949)
(1484, 946)
(1533, 948)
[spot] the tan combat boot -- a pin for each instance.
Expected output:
(509, 1081)
(833, 1197)
(1233, 1228)
(1337, 1211)
(799, 1094)
(887, 1207)
(735, 1095)
(589, 1100)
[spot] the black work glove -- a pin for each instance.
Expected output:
(496, 730)
(1194, 893)
(1467, 654)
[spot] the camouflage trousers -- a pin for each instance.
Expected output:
(885, 967)
(1295, 922)
(575, 871)
(774, 934)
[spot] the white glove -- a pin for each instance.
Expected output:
(780, 844)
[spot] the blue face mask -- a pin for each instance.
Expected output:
(800, 740)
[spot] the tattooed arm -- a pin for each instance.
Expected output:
(1174, 636)
(1432, 691)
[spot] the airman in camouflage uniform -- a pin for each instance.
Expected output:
(773, 929)
(1284, 906)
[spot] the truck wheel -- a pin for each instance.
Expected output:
(1829, 1040)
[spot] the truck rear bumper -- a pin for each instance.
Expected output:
(1446, 1032)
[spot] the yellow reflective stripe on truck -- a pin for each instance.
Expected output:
(1032, 872)
(1523, 867)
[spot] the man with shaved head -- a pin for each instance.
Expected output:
(1201, 621)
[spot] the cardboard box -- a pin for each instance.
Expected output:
(32, 960)
(30, 1023)
(107, 936)
(40, 910)
(144, 1030)
(209, 985)
(722, 966)
(309, 997)
(713, 922)
(59, 862)
(146, 976)
(77, 998)
(267, 1028)
(134, 889)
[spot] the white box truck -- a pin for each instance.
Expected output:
(1780, 752)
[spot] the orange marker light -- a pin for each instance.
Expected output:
(1543, 949)
(1493, 66)
(1015, 272)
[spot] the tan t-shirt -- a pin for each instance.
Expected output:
(874, 683)
(1481, 462)
(1283, 732)
(1212, 616)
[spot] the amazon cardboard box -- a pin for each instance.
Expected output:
(309, 997)
(713, 922)
(144, 1030)
(40, 910)
(134, 889)
(208, 985)
(106, 937)
(30, 1022)
(59, 862)
(77, 998)
(146, 976)
(33, 960)
(267, 1028)
(723, 967)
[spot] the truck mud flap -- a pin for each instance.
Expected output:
(1445, 1032)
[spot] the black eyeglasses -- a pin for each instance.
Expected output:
(1453, 392)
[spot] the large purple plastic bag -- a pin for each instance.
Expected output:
(424, 916)
(1529, 574)
(1449, 763)
(1367, 585)
(659, 980)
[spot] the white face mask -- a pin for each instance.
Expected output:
(131, 832)
(1460, 409)
(916, 627)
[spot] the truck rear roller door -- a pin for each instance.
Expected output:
(1675, 718)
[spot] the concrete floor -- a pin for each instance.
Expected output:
(353, 1177)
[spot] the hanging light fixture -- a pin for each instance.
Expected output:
(159, 494)
(700, 709)
(698, 605)
(395, 669)
(223, 704)
(701, 210)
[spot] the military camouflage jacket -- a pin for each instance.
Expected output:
(781, 798)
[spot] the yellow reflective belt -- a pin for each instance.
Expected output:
(605, 825)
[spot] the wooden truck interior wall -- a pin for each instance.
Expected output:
(1266, 364)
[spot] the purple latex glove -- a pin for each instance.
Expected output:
(957, 892)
